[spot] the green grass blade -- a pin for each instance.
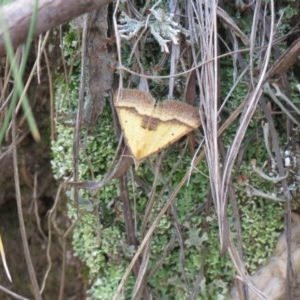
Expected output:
(18, 74)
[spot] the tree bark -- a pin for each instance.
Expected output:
(50, 14)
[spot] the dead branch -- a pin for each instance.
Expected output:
(52, 13)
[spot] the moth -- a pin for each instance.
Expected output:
(149, 127)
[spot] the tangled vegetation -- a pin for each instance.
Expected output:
(184, 254)
(195, 218)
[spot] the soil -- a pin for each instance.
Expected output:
(34, 160)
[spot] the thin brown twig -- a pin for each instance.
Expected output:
(64, 252)
(52, 13)
(30, 267)
(35, 200)
(9, 292)
(77, 131)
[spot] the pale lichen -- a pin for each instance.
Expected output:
(161, 24)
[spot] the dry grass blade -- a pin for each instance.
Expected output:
(140, 281)
(2, 254)
(208, 81)
(248, 112)
(209, 86)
